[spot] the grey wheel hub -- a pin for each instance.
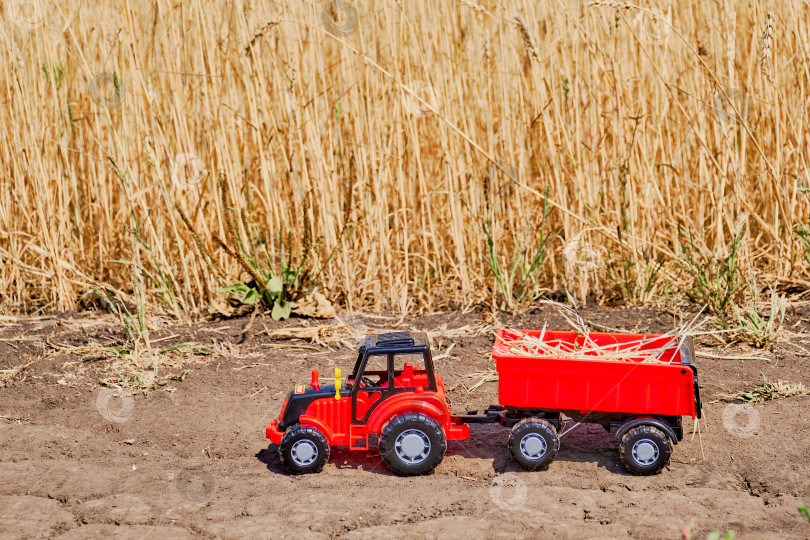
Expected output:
(412, 446)
(304, 452)
(533, 446)
(645, 452)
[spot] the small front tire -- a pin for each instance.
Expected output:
(303, 450)
(645, 450)
(534, 443)
(412, 444)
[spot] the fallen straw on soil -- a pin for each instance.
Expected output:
(483, 377)
(767, 391)
(341, 333)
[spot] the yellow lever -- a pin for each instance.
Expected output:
(337, 383)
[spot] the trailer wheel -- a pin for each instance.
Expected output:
(534, 443)
(412, 444)
(303, 450)
(645, 450)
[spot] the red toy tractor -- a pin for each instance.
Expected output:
(392, 400)
(388, 396)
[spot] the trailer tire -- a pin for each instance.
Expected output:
(534, 443)
(645, 450)
(303, 450)
(412, 444)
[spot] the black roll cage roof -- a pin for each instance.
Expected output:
(393, 343)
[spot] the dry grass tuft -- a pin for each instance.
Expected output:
(768, 390)
(349, 333)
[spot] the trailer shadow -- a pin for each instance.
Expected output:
(588, 443)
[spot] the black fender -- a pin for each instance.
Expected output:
(663, 426)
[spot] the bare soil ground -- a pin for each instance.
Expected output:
(190, 458)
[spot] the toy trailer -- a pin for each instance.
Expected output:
(641, 402)
(394, 398)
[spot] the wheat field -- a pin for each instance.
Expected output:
(409, 154)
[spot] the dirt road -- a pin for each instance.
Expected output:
(190, 458)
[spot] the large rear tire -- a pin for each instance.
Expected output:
(645, 450)
(534, 443)
(303, 450)
(412, 444)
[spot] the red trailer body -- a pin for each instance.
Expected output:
(668, 387)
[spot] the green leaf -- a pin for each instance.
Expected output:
(275, 285)
(805, 512)
(242, 293)
(281, 310)
(251, 297)
(236, 289)
(119, 352)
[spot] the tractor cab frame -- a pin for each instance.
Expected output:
(411, 378)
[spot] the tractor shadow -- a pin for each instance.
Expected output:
(370, 461)
(341, 458)
(269, 457)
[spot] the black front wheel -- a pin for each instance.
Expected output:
(534, 443)
(645, 450)
(303, 450)
(412, 444)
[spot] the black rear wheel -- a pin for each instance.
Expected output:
(412, 444)
(304, 449)
(645, 450)
(534, 443)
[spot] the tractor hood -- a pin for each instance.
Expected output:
(299, 400)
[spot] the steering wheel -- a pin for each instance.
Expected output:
(368, 382)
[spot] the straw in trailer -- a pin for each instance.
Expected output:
(580, 343)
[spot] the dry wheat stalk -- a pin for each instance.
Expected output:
(257, 35)
(610, 3)
(765, 44)
(473, 5)
(417, 194)
(527, 38)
